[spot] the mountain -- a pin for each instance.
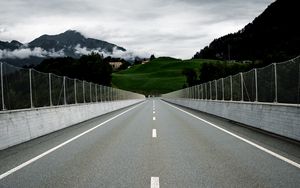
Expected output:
(273, 36)
(69, 40)
(10, 45)
(70, 43)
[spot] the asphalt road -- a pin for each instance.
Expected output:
(140, 148)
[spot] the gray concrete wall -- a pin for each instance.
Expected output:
(18, 126)
(281, 119)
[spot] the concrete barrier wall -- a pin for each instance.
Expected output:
(280, 119)
(22, 125)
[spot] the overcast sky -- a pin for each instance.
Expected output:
(175, 28)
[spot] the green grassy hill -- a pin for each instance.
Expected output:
(161, 75)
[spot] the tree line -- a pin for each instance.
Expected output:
(92, 68)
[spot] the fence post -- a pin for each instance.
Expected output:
(50, 89)
(109, 94)
(231, 97)
(210, 92)
(30, 88)
(96, 88)
(206, 92)
(83, 91)
(64, 83)
(193, 92)
(112, 94)
(2, 88)
(202, 93)
(198, 92)
(91, 100)
(256, 91)
(223, 90)
(275, 77)
(102, 93)
(216, 88)
(75, 91)
(242, 86)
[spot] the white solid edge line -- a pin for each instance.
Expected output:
(241, 138)
(154, 134)
(154, 182)
(61, 145)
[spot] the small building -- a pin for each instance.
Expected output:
(115, 65)
(145, 61)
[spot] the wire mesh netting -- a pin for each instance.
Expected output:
(93, 92)
(40, 89)
(220, 89)
(79, 91)
(266, 84)
(27, 88)
(70, 90)
(16, 87)
(213, 90)
(288, 81)
(227, 88)
(87, 91)
(205, 91)
(236, 88)
(57, 90)
(278, 82)
(100, 94)
(249, 89)
(208, 90)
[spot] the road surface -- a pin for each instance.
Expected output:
(153, 144)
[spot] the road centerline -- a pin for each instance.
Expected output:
(154, 133)
(154, 182)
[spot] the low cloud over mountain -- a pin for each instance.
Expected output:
(70, 43)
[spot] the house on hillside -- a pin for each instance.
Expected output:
(115, 65)
(145, 61)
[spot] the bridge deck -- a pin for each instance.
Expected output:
(152, 144)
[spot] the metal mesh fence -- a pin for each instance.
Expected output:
(288, 81)
(79, 91)
(220, 89)
(70, 91)
(27, 88)
(249, 89)
(266, 84)
(279, 82)
(208, 89)
(40, 89)
(93, 92)
(205, 91)
(57, 90)
(227, 88)
(213, 90)
(236, 88)
(87, 92)
(16, 87)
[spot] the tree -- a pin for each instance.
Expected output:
(91, 68)
(191, 76)
(152, 57)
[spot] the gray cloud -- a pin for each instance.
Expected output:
(167, 28)
(27, 52)
(127, 55)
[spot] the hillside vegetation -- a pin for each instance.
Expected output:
(161, 75)
(273, 36)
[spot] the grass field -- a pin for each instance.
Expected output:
(159, 76)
